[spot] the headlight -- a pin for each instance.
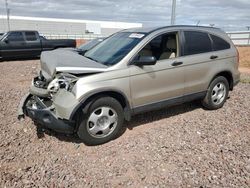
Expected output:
(62, 81)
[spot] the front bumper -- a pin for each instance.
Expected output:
(44, 115)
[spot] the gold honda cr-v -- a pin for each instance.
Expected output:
(130, 72)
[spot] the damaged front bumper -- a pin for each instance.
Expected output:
(44, 112)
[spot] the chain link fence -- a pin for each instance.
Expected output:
(240, 38)
(71, 36)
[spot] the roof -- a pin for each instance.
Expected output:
(152, 29)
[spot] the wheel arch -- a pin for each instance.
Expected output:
(118, 95)
(228, 75)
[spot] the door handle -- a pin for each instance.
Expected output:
(177, 63)
(213, 57)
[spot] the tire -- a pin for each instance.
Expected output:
(217, 93)
(102, 122)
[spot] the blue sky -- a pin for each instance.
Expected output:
(227, 14)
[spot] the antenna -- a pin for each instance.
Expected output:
(8, 14)
(173, 12)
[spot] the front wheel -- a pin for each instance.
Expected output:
(217, 93)
(102, 122)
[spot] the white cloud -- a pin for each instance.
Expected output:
(228, 14)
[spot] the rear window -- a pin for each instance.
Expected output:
(219, 43)
(196, 43)
(15, 36)
(30, 36)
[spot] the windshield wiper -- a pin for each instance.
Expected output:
(92, 59)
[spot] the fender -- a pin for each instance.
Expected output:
(110, 92)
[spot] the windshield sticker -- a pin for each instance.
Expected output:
(136, 35)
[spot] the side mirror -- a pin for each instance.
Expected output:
(145, 60)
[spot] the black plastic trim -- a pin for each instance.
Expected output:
(169, 102)
(236, 82)
(48, 120)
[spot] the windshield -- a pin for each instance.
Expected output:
(115, 48)
(90, 44)
(2, 35)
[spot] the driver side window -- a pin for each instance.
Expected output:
(15, 37)
(161, 47)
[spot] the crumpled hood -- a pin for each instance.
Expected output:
(67, 61)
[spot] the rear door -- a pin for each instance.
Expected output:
(198, 59)
(13, 45)
(33, 44)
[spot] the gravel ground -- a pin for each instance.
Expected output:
(183, 146)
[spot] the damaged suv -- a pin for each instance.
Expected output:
(132, 71)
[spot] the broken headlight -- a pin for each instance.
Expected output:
(62, 81)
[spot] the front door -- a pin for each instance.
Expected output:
(156, 84)
(13, 45)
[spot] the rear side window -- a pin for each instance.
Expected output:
(30, 36)
(15, 37)
(219, 43)
(196, 43)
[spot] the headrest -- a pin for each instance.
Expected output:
(147, 47)
(171, 43)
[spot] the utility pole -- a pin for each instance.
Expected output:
(248, 28)
(173, 12)
(8, 14)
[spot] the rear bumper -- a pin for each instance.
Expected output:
(44, 115)
(236, 79)
(236, 82)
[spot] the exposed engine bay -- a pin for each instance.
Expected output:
(61, 81)
(42, 90)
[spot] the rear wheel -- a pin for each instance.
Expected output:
(217, 93)
(102, 122)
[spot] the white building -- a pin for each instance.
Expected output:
(70, 28)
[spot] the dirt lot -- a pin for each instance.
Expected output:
(183, 146)
(244, 56)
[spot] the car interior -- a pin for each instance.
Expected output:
(161, 47)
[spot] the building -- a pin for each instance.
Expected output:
(64, 28)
